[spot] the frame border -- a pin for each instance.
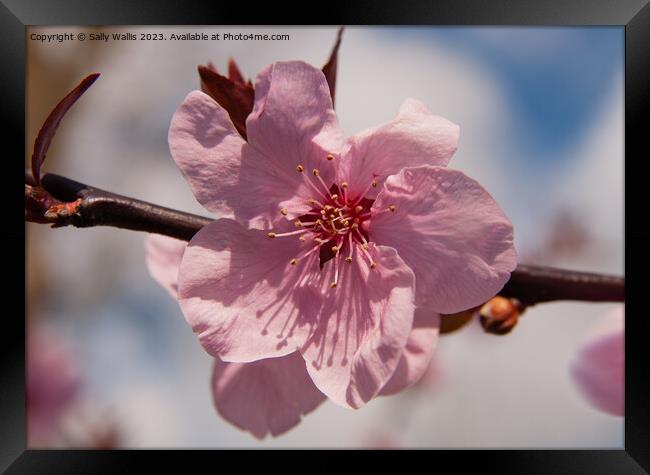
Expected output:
(634, 15)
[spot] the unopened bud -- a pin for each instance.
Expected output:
(500, 315)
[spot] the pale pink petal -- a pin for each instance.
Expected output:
(207, 149)
(450, 231)
(417, 354)
(599, 367)
(292, 123)
(415, 137)
(363, 327)
(264, 397)
(163, 256)
(242, 297)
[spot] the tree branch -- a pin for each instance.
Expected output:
(96, 207)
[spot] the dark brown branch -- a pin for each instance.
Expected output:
(103, 208)
(529, 284)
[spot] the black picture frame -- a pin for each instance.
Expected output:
(633, 15)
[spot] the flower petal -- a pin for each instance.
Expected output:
(207, 148)
(599, 367)
(163, 255)
(264, 397)
(450, 231)
(417, 354)
(239, 292)
(292, 123)
(363, 327)
(415, 137)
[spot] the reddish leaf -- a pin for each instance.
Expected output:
(234, 96)
(45, 135)
(234, 73)
(330, 67)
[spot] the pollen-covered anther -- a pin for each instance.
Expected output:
(302, 237)
(355, 225)
(373, 264)
(358, 208)
(335, 248)
(297, 223)
(284, 211)
(271, 234)
(330, 157)
(348, 259)
(365, 245)
(300, 169)
(344, 184)
(392, 208)
(333, 285)
(335, 197)
(315, 172)
(293, 262)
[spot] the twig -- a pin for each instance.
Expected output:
(529, 284)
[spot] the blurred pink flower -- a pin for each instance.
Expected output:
(373, 228)
(599, 367)
(53, 383)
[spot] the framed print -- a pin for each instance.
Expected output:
(402, 229)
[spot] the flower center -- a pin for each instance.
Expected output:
(336, 224)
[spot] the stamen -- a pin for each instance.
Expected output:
(308, 253)
(316, 173)
(330, 157)
(365, 243)
(300, 169)
(373, 184)
(284, 211)
(349, 258)
(392, 208)
(292, 233)
(358, 208)
(293, 262)
(373, 264)
(312, 202)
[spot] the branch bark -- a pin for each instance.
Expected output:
(96, 207)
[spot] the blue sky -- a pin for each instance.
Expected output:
(556, 78)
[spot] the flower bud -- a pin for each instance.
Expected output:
(499, 315)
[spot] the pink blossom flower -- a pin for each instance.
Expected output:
(271, 395)
(327, 246)
(598, 370)
(53, 383)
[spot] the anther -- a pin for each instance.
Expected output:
(284, 212)
(271, 234)
(348, 259)
(300, 169)
(365, 245)
(344, 184)
(293, 262)
(374, 183)
(358, 209)
(334, 197)
(330, 157)
(333, 285)
(355, 225)
(335, 249)
(302, 237)
(297, 223)
(392, 208)
(373, 264)
(315, 172)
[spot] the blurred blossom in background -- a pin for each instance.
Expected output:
(541, 117)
